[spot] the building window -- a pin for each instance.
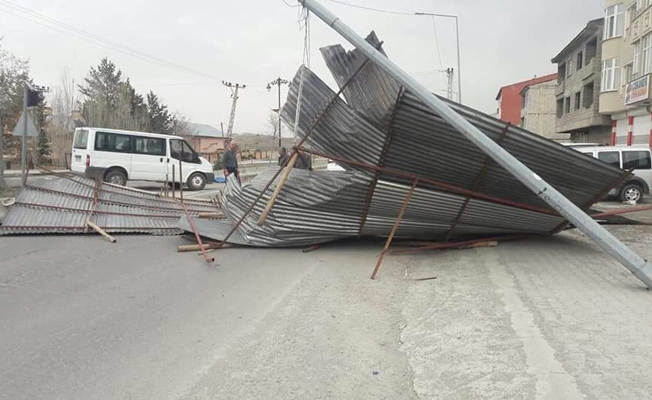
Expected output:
(646, 54)
(524, 99)
(522, 122)
(637, 58)
(588, 95)
(626, 75)
(560, 108)
(610, 75)
(567, 105)
(561, 73)
(578, 100)
(580, 60)
(569, 68)
(614, 19)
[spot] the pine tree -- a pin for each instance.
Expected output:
(43, 147)
(160, 119)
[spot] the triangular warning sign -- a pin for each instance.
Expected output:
(20, 126)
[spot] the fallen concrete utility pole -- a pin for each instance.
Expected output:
(608, 242)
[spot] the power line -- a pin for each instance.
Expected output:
(67, 29)
(434, 27)
(371, 8)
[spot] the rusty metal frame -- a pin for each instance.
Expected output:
(93, 206)
(81, 228)
(381, 160)
(44, 206)
(208, 259)
(476, 184)
(440, 185)
(299, 145)
(404, 207)
(453, 245)
(105, 201)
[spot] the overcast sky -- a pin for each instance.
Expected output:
(253, 42)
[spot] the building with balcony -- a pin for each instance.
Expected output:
(626, 69)
(521, 106)
(578, 89)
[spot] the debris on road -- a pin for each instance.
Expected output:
(66, 204)
(388, 141)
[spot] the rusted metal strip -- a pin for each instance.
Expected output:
(440, 185)
(381, 160)
(208, 259)
(404, 207)
(454, 245)
(615, 183)
(93, 206)
(476, 184)
(620, 211)
(81, 229)
(170, 209)
(298, 146)
(49, 207)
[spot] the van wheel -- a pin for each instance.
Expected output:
(631, 192)
(116, 177)
(197, 181)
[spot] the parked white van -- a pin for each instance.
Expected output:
(626, 157)
(117, 156)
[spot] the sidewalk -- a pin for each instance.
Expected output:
(15, 173)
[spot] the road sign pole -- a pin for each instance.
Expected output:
(23, 157)
(608, 242)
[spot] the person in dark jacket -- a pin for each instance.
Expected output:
(304, 161)
(282, 156)
(230, 161)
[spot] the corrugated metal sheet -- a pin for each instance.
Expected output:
(379, 124)
(64, 204)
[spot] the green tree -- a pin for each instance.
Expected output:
(43, 146)
(160, 119)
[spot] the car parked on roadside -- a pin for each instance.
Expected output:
(636, 158)
(117, 156)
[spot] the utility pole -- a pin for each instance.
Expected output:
(450, 73)
(457, 39)
(234, 96)
(278, 82)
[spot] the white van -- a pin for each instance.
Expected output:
(117, 156)
(638, 158)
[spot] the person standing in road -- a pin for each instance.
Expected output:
(230, 161)
(282, 156)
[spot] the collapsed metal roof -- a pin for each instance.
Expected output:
(65, 204)
(388, 140)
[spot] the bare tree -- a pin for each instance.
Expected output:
(181, 126)
(64, 119)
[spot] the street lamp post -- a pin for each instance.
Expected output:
(278, 82)
(457, 35)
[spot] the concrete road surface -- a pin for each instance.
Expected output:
(551, 318)
(81, 318)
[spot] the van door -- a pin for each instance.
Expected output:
(641, 162)
(180, 150)
(112, 150)
(148, 158)
(80, 150)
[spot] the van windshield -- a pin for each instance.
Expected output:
(81, 139)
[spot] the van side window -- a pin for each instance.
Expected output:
(150, 146)
(179, 148)
(610, 157)
(113, 142)
(637, 160)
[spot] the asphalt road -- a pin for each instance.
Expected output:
(81, 318)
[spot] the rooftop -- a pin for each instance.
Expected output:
(205, 130)
(519, 86)
(591, 28)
